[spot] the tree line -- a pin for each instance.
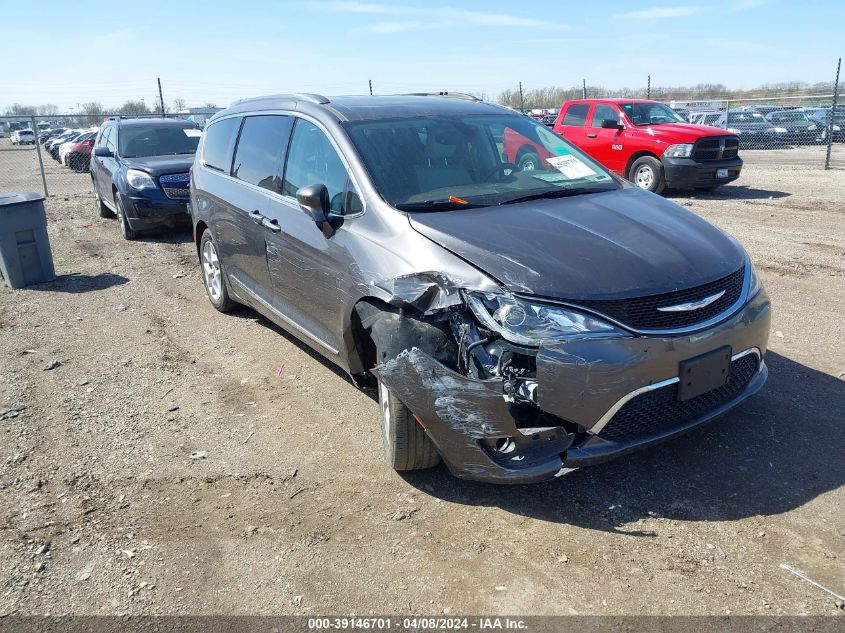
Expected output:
(553, 96)
(94, 108)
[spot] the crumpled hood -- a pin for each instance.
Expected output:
(160, 165)
(596, 246)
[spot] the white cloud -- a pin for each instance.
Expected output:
(658, 13)
(415, 18)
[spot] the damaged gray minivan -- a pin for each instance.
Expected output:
(521, 310)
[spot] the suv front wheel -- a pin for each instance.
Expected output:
(406, 445)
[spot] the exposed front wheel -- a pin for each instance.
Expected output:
(406, 445)
(647, 173)
(528, 161)
(125, 230)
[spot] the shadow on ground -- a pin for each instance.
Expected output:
(75, 283)
(731, 192)
(779, 450)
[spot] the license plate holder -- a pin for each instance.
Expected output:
(704, 373)
(721, 173)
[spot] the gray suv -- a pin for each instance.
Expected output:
(517, 324)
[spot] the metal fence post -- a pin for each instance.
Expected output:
(727, 112)
(41, 162)
(832, 115)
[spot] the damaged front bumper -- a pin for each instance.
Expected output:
(599, 398)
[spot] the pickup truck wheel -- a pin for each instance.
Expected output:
(647, 173)
(406, 445)
(212, 275)
(528, 161)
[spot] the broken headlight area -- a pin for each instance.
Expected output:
(529, 323)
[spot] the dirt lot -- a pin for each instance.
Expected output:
(291, 510)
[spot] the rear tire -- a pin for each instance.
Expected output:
(406, 444)
(213, 277)
(647, 173)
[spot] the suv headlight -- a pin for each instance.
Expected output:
(812, 126)
(138, 179)
(755, 285)
(527, 323)
(781, 130)
(733, 130)
(681, 150)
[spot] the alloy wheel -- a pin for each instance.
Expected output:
(211, 271)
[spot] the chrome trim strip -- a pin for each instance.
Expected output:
(242, 287)
(743, 298)
(598, 426)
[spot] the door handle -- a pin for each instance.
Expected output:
(256, 216)
(272, 225)
(592, 135)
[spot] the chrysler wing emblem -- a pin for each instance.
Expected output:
(692, 305)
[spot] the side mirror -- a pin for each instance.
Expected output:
(314, 201)
(611, 124)
(103, 152)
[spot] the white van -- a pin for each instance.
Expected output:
(23, 137)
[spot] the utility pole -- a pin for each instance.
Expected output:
(371, 87)
(521, 99)
(160, 97)
(832, 114)
(583, 88)
(648, 91)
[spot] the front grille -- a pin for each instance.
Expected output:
(716, 148)
(660, 410)
(175, 185)
(641, 313)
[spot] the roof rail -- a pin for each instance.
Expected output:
(453, 95)
(299, 96)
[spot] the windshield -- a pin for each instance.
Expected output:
(136, 141)
(650, 113)
(745, 117)
(787, 117)
(442, 162)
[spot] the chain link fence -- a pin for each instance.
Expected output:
(57, 162)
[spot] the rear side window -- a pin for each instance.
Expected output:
(602, 112)
(312, 160)
(261, 144)
(217, 146)
(576, 114)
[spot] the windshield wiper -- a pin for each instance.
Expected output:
(556, 193)
(435, 205)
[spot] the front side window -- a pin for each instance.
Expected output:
(313, 160)
(217, 144)
(157, 140)
(110, 139)
(259, 151)
(443, 162)
(650, 113)
(576, 114)
(603, 112)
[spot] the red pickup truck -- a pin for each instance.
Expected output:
(649, 144)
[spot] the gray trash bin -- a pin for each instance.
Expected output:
(25, 256)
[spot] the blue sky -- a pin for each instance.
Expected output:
(210, 51)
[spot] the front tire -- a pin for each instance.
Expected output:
(125, 230)
(647, 173)
(212, 275)
(406, 444)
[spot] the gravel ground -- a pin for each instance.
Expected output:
(177, 460)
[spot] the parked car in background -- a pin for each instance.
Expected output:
(704, 118)
(517, 323)
(139, 169)
(53, 145)
(683, 113)
(751, 127)
(646, 142)
(23, 137)
(48, 134)
(78, 156)
(800, 128)
(549, 120)
(65, 148)
(823, 115)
